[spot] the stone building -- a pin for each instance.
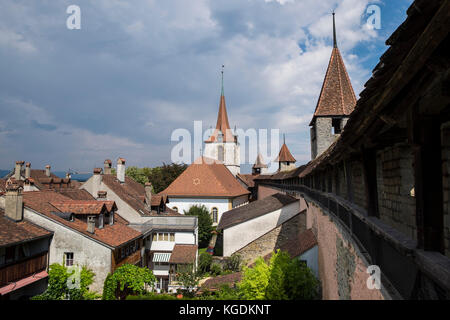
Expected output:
(379, 194)
(336, 102)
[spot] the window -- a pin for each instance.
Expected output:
(166, 237)
(214, 214)
(175, 209)
(172, 237)
(336, 124)
(155, 237)
(69, 258)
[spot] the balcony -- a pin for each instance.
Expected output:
(23, 268)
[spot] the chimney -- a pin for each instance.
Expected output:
(91, 224)
(101, 195)
(121, 170)
(107, 166)
(18, 170)
(28, 184)
(14, 202)
(148, 194)
(47, 170)
(96, 181)
(27, 170)
(68, 175)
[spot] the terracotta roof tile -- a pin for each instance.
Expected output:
(14, 232)
(206, 178)
(80, 206)
(113, 235)
(215, 283)
(76, 194)
(222, 124)
(285, 155)
(183, 253)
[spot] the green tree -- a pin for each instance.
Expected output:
(204, 263)
(137, 174)
(68, 283)
(204, 224)
(127, 280)
(254, 281)
(188, 278)
(162, 177)
(233, 263)
(300, 282)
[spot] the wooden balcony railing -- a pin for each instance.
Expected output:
(23, 268)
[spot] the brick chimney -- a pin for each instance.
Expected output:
(148, 194)
(107, 166)
(27, 170)
(96, 181)
(121, 170)
(101, 194)
(14, 202)
(47, 170)
(18, 169)
(91, 224)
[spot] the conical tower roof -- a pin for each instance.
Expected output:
(259, 163)
(337, 97)
(285, 155)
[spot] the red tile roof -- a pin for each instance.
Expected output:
(113, 235)
(285, 155)
(80, 206)
(183, 253)
(133, 193)
(259, 163)
(76, 194)
(215, 283)
(248, 179)
(336, 97)
(15, 232)
(205, 178)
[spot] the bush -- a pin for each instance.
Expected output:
(62, 284)
(233, 263)
(152, 296)
(204, 263)
(216, 269)
(127, 280)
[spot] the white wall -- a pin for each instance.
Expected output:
(185, 203)
(86, 251)
(238, 236)
(180, 238)
(312, 259)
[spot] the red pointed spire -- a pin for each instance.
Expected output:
(285, 155)
(337, 97)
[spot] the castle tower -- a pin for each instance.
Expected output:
(336, 102)
(259, 167)
(223, 145)
(285, 159)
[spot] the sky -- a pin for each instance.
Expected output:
(138, 70)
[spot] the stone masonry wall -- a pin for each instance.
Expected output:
(445, 138)
(274, 239)
(358, 184)
(395, 178)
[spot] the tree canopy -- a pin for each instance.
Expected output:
(204, 224)
(160, 177)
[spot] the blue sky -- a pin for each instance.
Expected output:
(137, 70)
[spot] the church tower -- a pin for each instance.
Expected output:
(259, 167)
(223, 144)
(336, 102)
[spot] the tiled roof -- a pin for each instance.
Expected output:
(336, 97)
(222, 124)
(285, 155)
(206, 178)
(113, 235)
(215, 283)
(296, 247)
(80, 206)
(248, 179)
(133, 193)
(254, 209)
(15, 232)
(76, 194)
(183, 253)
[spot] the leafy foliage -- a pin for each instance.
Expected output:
(62, 284)
(188, 278)
(204, 223)
(216, 269)
(204, 263)
(127, 280)
(160, 177)
(225, 292)
(282, 278)
(233, 263)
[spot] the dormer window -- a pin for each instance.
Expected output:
(100, 221)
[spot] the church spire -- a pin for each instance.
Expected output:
(334, 33)
(221, 94)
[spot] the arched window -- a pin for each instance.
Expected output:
(220, 153)
(214, 214)
(175, 209)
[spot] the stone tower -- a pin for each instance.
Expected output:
(223, 144)
(259, 167)
(336, 102)
(285, 159)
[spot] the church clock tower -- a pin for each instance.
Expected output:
(223, 144)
